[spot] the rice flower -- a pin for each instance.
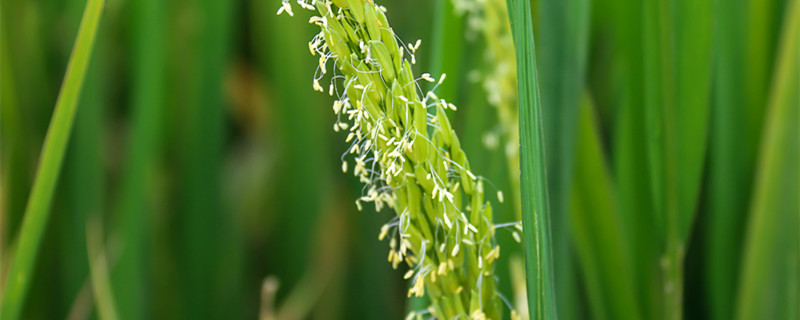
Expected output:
(404, 150)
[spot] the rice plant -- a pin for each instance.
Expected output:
(607, 159)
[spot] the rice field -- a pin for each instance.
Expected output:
(258, 159)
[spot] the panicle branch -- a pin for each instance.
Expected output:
(406, 153)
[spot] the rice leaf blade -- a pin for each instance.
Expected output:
(602, 246)
(38, 210)
(677, 81)
(82, 186)
(629, 155)
(128, 279)
(563, 38)
(772, 244)
(693, 33)
(533, 181)
(732, 153)
(202, 136)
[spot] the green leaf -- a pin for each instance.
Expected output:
(693, 23)
(677, 81)
(533, 181)
(38, 210)
(629, 153)
(732, 153)
(15, 147)
(597, 224)
(562, 50)
(130, 220)
(768, 283)
(82, 186)
(205, 239)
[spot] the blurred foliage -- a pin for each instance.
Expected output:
(210, 171)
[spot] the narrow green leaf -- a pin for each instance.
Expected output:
(772, 244)
(562, 50)
(82, 186)
(693, 34)
(629, 154)
(677, 82)
(38, 209)
(761, 33)
(12, 142)
(130, 218)
(661, 147)
(204, 228)
(533, 181)
(603, 249)
(731, 160)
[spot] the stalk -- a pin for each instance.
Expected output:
(38, 210)
(677, 68)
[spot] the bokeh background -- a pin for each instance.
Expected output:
(211, 169)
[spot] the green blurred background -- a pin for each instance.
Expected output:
(212, 166)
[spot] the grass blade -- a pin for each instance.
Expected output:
(597, 228)
(732, 153)
(677, 81)
(202, 138)
(771, 246)
(38, 209)
(128, 279)
(693, 34)
(12, 143)
(762, 36)
(629, 151)
(563, 39)
(660, 119)
(81, 189)
(533, 181)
